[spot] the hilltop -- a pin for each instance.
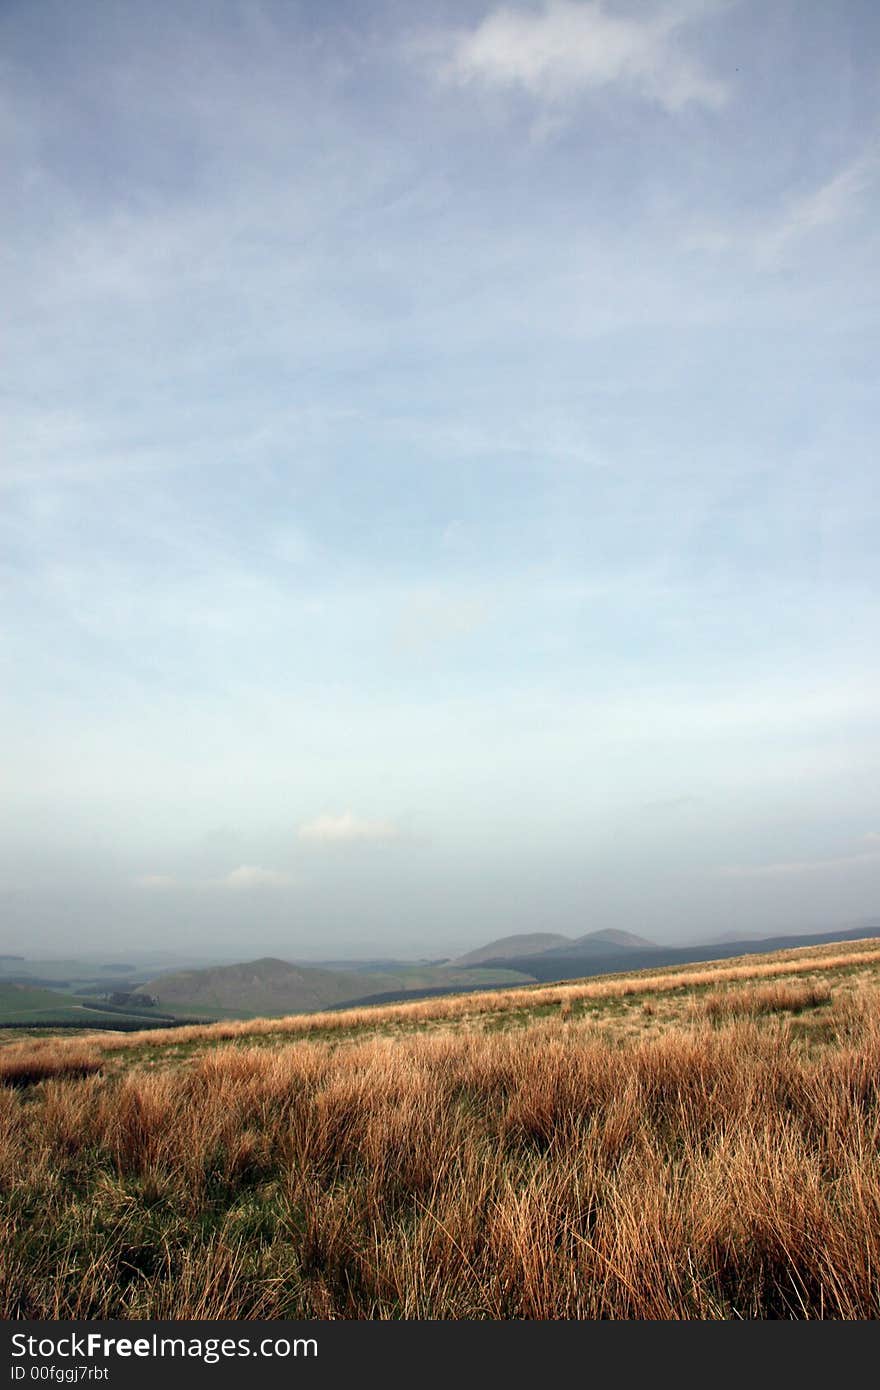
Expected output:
(547, 944)
(524, 944)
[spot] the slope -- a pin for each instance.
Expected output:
(525, 944)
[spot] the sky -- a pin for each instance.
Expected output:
(438, 484)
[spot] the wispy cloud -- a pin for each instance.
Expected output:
(254, 876)
(347, 828)
(245, 876)
(567, 49)
(769, 239)
(155, 882)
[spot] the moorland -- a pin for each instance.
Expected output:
(688, 1142)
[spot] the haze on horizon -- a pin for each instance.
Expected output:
(438, 493)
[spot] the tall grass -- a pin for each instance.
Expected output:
(25, 1063)
(784, 996)
(720, 1170)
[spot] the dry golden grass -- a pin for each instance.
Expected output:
(783, 997)
(726, 1167)
(26, 1062)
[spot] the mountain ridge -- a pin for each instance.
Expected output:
(526, 943)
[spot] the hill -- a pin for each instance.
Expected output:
(26, 1005)
(270, 987)
(589, 956)
(262, 987)
(609, 938)
(526, 944)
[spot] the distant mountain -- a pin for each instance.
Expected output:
(609, 939)
(528, 944)
(546, 944)
(589, 957)
(860, 927)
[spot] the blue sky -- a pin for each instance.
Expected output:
(438, 487)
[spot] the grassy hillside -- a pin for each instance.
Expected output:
(697, 1143)
(259, 987)
(20, 1002)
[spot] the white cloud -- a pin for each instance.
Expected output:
(831, 201)
(347, 829)
(767, 241)
(253, 876)
(567, 48)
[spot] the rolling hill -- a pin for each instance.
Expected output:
(266, 986)
(30, 1006)
(591, 956)
(270, 986)
(607, 940)
(545, 944)
(526, 944)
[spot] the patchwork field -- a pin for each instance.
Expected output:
(697, 1143)
(22, 1005)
